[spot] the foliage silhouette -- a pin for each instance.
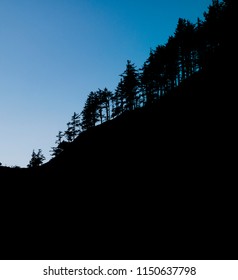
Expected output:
(73, 129)
(186, 52)
(37, 159)
(58, 149)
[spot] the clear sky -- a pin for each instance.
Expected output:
(54, 52)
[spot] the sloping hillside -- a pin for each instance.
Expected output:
(155, 173)
(180, 135)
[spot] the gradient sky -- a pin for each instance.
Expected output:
(54, 52)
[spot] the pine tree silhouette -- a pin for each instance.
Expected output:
(186, 52)
(90, 113)
(36, 159)
(130, 81)
(58, 149)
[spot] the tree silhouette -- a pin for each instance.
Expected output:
(171, 67)
(90, 113)
(200, 44)
(36, 159)
(148, 81)
(153, 76)
(130, 81)
(184, 35)
(75, 125)
(58, 149)
(73, 128)
(68, 133)
(213, 24)
(118, 100)
(104, 98)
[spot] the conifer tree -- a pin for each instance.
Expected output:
(104, 99)
(36, 159)
(58, 149)
(184, 35)
(75, 125)
(130, 80)
(118, 100)
(90, 113)
(73, 128)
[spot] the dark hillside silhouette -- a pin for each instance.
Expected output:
(174, 154)
(159, 172)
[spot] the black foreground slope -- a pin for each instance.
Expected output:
(157, 173)
(188, 134)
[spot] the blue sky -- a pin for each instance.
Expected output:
(54, 52)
